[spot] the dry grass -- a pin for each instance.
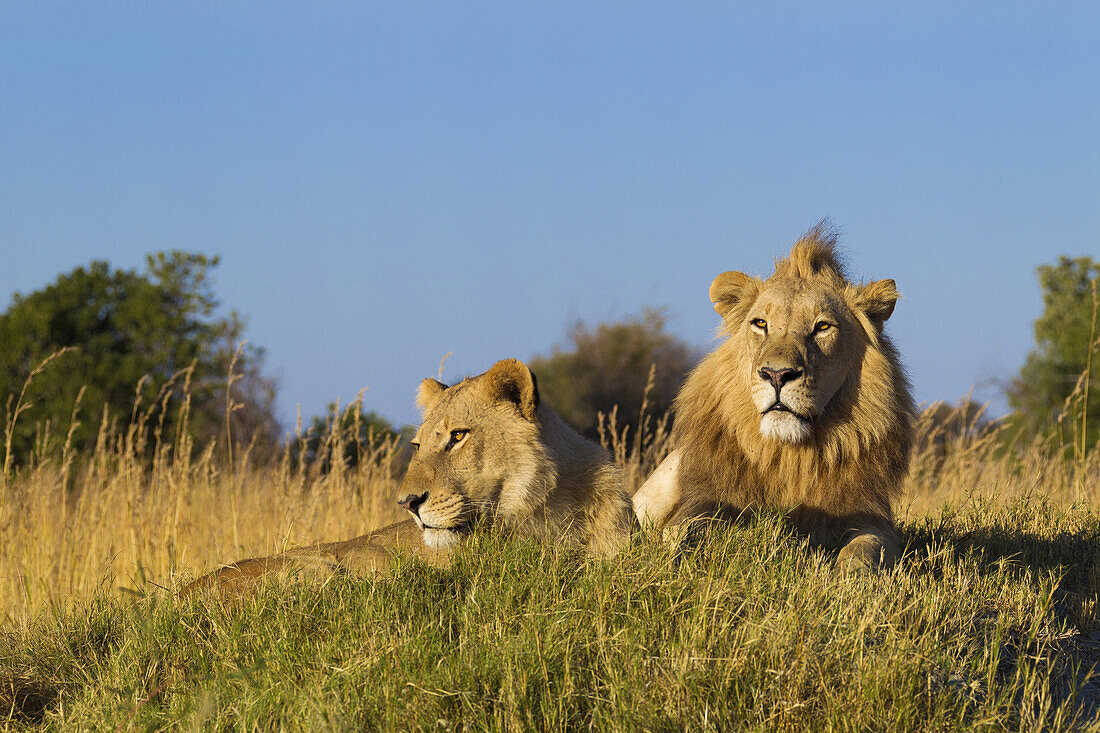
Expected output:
(70, 525)
(989, 623)
(991, 462)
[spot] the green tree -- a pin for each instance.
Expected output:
(609, 365)
(141, 343)
(1057, 384)
(343, 437)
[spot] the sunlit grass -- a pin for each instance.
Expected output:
(751, 631)
(988, 622)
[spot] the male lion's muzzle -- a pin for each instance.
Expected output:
(776, 379)
(779, 377)
(781, 397)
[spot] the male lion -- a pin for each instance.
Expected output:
(804, 408)
(487, 452)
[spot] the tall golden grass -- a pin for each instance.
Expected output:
(147, 503)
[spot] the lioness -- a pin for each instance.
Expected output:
(488, 452)
(803, 408)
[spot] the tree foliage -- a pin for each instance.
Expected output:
(609, 364)
(1058, 385)
(142, 344)
(343, 437)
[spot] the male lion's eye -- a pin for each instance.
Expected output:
(759, 323)
(822, 327)
(416, 446)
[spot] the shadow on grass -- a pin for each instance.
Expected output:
(25, 699)
(1073, 556)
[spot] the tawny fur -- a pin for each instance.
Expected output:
(838, 479)
(362, 555)
(518, 467)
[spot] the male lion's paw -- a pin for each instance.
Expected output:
(865, 553)
(855, 563)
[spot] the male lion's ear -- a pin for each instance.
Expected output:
(877, 299)
(427, 394)
(731, 288)
(511, 380)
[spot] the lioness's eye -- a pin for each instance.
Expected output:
(822, 326)
(760, 323)
(456, 438)
(416, 446)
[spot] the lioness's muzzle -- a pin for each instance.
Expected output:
(411, 503)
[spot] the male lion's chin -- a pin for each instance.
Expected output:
(786, 427)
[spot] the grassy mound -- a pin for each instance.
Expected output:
(989, 623)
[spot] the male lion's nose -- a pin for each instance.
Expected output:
(413, 501)
(779, 377)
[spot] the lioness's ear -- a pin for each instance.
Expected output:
(731, 288)
(427, 394)
(877, 299)
(511, 380)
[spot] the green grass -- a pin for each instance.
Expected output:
(988, 624)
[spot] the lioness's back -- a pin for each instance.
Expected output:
(545, 481)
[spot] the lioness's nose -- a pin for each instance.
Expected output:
(779, 377)
(413, 501)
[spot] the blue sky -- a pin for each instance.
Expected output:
(389, 183)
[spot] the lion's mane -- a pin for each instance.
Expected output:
(840, 480)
